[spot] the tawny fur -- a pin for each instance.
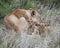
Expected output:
(12, 19)
(32, 17)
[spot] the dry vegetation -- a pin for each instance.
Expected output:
(51, 40)
(11, 39)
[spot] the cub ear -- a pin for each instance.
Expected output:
(33, 12)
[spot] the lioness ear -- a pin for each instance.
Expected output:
(33, 12)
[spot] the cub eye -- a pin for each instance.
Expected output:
(33, 13)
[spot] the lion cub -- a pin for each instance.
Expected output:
(12, 20)
(21, 18)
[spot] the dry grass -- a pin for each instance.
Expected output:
(51, 17)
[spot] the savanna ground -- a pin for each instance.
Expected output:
(51, 17)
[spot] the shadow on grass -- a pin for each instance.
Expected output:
(1, 22)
